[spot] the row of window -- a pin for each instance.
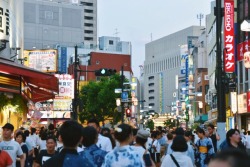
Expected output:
(168, 63)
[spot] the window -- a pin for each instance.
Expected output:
(88, 11)
(88, 38)
(111, 42)
(151, 78)
(88, 31)
(49, 15)
(87, 4)
(151, 98)
(151, 104)
(88, 18)
(151, 84)
(88, 24)
(151, 91)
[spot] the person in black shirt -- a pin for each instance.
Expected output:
(44, 155)
(213, 135)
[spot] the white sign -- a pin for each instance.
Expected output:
(4, 21)
(233, 96)
(66, 86)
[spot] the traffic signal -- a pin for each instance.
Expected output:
(105, 72)
(128, 112)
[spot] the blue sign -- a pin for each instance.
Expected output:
(63, 61)
(124, 96)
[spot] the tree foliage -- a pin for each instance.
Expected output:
(98, 100)
(150, 124)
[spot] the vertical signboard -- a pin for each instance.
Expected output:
(229, 57)
(248, 101)
(4, 21)
(63, 60)
(184, 55)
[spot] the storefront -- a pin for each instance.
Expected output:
(33, 85)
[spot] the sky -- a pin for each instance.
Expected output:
(140, 21)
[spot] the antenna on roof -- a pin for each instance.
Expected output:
(200, 17)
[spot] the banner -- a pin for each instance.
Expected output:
(229, 57)
(248, 101)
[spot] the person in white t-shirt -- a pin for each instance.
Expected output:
(11, 146)
(103, 143)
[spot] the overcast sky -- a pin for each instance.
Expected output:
(136, 20)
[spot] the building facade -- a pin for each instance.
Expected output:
(50, 23)
(162, 64)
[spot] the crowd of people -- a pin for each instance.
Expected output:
(72, 145)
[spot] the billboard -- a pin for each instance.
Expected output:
(41, 60)
(4, 21)
(229, 57)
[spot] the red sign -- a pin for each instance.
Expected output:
(229, 62)
(248, 101)
(240, 52)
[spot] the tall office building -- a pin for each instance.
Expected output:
(162, 64)
(50, 23)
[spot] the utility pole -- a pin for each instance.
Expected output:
(221, 104)
(122, 107)
(75, 100)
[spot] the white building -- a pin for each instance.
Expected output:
(162, 64)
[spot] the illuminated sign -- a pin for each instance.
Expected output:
(42, 60)
(66, 86)
(229, 62)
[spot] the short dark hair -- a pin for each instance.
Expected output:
(230, 134)
(33, 130)
(135, 131)
(141, 141)
(179, 131)
(26, 133)
(22, 134)
(201, 131)
(70, 132)
(154, 134)
(123, 135)
(170, 136)
(51, 137)
(93, 120)
(211, 126)
(179, 144)
(90, 135)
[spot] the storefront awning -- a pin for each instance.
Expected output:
(33, 84)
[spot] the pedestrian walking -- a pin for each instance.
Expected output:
(123, 155)
(94, 154)
(11, 146)
(178, 158)
(205, 150)
(20, 139)
(103, 143)
(233, 141)
(46, 154)
(71, 134)
(213, 135)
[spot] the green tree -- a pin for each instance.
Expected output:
(169, 123)
(98, 100)
(150, 124)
